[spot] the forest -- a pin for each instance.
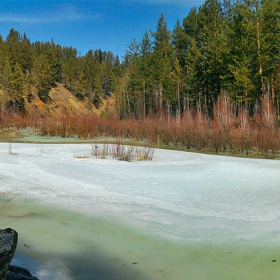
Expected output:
(212, 82)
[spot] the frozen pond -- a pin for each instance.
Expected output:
(180, 216)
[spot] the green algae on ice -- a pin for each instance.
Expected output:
(84, 246)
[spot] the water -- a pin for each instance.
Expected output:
(59, 244)
(30, 136)
(180, 216)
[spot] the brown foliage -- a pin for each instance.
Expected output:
(228, 131)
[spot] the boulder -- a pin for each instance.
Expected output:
(19, 273)
(8, 245)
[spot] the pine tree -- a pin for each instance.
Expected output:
(97, 92)
(180, 43)
(194, 78)
(242, 57)
(17, 87)
(145, 50)
(163, 88)
(43, 76)
(270, 49)
(6, 84)
(213, 48)
(132, 89)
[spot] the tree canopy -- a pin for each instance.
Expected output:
(220, 47)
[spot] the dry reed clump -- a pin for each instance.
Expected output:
(100, 151)
(81, 157)
(122, 152)
(10, 150)
(144, 153)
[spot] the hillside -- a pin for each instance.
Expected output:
(61, 101)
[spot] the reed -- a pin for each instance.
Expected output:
(228, 130)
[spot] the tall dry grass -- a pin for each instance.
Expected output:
(229, 130)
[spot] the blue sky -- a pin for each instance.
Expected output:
(90, 24)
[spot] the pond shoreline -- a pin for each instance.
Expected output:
(28, 136)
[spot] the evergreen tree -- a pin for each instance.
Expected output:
(193, 26)
(180, 43)
(43, 76)
(97, 92)
(163, 87)
(145, 50)
(213, 48)
(270, 49)
(242, 56)
(13, 36)
(17, 87)
(132, 89)
(6, 84)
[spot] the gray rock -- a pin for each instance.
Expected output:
(19, 273)
(8, 244)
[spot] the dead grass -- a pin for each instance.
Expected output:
(122, 152)
(228, 131)
(81, 157)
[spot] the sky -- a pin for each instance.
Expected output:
(90, 24)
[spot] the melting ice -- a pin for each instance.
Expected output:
(181, 216)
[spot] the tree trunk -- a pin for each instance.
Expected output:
(144, 100)
(259, 55)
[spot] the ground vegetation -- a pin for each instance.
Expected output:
(210, 83)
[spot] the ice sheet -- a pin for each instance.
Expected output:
(186, 198)
(176, 188)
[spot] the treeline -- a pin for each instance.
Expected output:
(227, 46)
(25, 66)
(223, 47)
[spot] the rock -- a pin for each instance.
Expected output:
(19, 273)
(8, 244)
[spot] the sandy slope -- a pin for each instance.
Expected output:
(61, 101)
